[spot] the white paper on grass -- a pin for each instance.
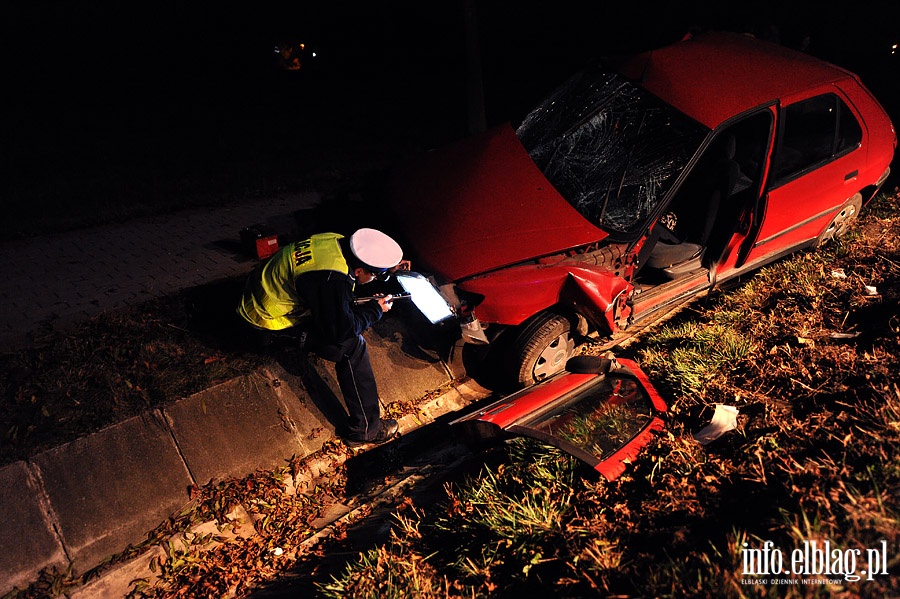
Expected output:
(724, 419)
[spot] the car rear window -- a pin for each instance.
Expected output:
(610, 148)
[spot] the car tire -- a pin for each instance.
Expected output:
(542, 347)
(840, 224)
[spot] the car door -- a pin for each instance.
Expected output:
(739, 212)
(601, 411)
(813, 171)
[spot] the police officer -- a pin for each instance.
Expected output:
(305, 293)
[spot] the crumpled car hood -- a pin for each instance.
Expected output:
(479, 205)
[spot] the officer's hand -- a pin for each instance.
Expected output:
(386, 302)
(403, 265)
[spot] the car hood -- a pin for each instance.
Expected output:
(479, 205)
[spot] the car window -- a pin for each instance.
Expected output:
(594, 421)
(610, 148)
(598, 428)
(814, 132)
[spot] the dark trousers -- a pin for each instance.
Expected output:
(357, 383)
(352, 366)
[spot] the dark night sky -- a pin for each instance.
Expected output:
(100, 83)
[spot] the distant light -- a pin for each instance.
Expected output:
(314, 54)
(894, 48)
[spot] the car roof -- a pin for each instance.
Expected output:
(714, 76)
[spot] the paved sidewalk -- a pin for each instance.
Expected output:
(61, 279)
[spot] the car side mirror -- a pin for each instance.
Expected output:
(588, 365)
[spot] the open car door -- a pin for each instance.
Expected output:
(602, 411)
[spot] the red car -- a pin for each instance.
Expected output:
(632, 189)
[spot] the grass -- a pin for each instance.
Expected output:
(813, 459)
(690, 354)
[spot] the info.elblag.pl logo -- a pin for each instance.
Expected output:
(831, 564)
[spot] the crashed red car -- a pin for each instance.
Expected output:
(632, 189)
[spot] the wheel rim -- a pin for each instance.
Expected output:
(841, 222)
(843, 219)
(553, 358)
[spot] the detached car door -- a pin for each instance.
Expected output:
(601, 411)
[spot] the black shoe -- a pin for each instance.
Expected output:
(389, 428)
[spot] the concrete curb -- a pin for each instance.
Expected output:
(78, 504)
(116, 582)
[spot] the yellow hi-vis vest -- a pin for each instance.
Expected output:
(270, 300)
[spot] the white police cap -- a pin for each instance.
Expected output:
(377, 251)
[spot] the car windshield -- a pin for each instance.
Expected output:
(610, 148)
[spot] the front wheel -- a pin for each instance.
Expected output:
(542, 347)
(841, 222)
